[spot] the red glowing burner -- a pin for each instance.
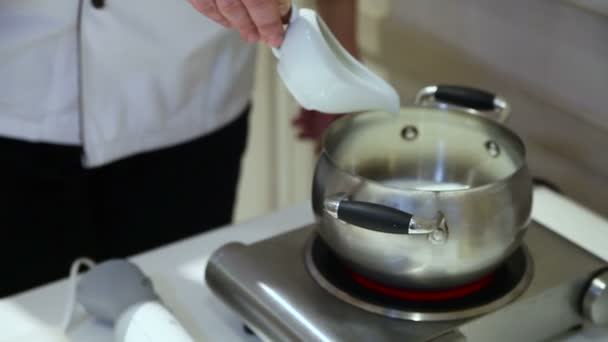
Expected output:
(422, 295)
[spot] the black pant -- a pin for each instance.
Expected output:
(52, 210)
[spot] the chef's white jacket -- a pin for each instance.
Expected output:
(132, 76)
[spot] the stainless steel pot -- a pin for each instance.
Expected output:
(434, 197)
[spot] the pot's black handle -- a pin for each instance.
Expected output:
(374, 216)
(465, 97)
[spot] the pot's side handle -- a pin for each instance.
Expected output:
(374, 216)
(377, 217)
(465, 97)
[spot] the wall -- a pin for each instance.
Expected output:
(547, 57)
(277, 167)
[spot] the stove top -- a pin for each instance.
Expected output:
(484, 295)
(537, 295)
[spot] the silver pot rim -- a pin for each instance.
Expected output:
(514, 138)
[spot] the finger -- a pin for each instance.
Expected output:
(284, 7)
(267, 18)
(236, 13)
(208, 8)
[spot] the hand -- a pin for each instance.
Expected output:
(255, 19)
(312, 125)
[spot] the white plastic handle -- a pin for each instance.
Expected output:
(292, 17)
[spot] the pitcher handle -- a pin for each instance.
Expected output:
(471, 99)
(293, 15)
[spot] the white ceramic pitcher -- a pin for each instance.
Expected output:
(321, 75)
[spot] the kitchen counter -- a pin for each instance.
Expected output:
(177, 272)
